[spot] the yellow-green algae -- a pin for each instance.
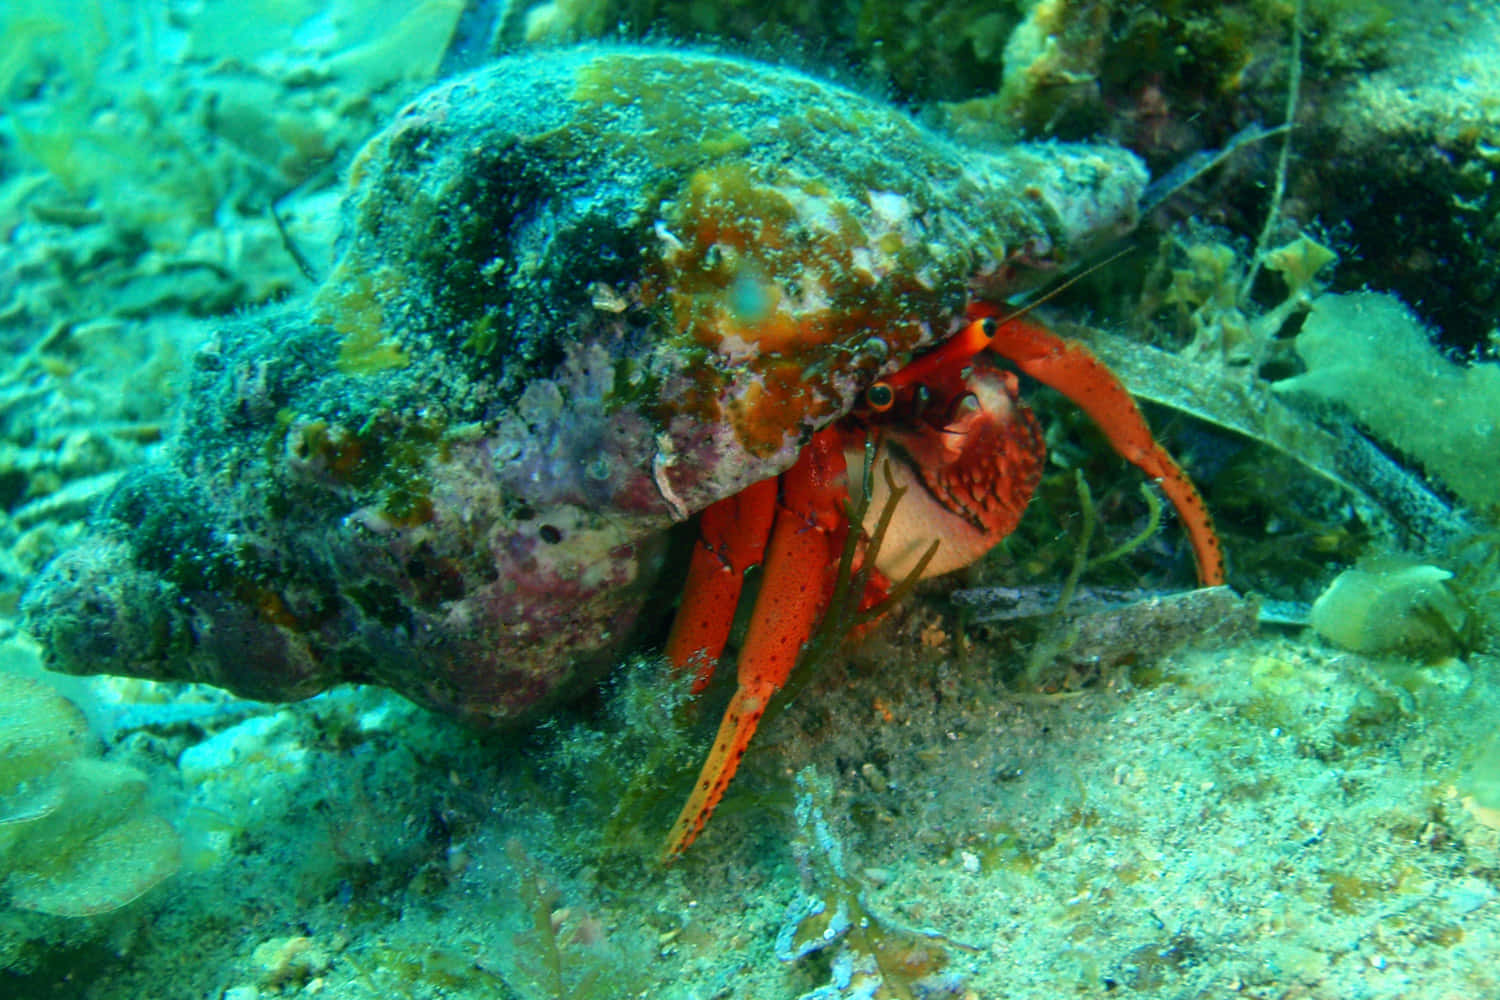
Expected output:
(77, 835)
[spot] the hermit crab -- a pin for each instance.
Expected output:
(581, 296)
(970, 453)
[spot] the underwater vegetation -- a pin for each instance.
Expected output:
(1369, 354)
(77, 835)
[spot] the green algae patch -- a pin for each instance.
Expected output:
(670, 96)
(76, 837)
(1479, 782)
(365, 351)
(1367, 352)
(1392, 605)
(354, 310)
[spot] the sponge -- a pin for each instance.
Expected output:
(1391, 605)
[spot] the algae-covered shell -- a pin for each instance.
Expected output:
(579, 295)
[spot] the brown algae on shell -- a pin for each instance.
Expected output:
(580, 294)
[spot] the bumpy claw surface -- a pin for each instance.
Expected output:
(1072, 370)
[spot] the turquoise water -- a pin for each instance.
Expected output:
(1040, 776)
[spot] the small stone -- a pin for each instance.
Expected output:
(289, 960)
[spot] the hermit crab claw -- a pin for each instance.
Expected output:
(1072, 370)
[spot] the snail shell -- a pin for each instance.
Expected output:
(579, 295)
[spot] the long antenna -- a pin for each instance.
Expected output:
(1273, 213)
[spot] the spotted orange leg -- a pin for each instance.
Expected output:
(732, 536)
(806, 529)
(1072, 370)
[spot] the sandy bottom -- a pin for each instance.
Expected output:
(1275, 819)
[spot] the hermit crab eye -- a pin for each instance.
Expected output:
(921, 399)
(880, 397)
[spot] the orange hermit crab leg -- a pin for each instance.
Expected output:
(1072, 370)
(732, 535)
(793, 592)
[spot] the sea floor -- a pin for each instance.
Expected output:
(1275, 819)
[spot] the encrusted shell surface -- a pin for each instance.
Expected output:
(580, 295)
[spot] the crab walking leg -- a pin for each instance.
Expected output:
(732, 535)
(805, 542)
(1072, 370)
